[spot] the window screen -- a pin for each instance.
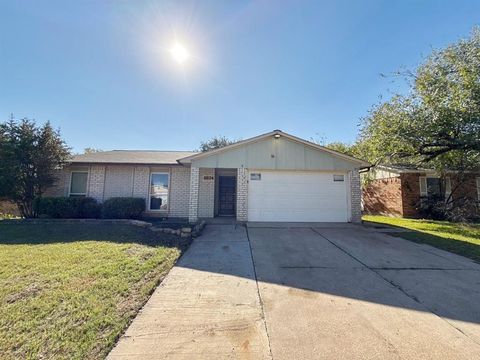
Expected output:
(78, 184)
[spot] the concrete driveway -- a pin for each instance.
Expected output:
(326, 292)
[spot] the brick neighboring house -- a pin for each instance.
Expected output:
(270, 177)
(398, 190)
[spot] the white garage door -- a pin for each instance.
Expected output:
(297, 196)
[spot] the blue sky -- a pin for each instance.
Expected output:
(102, 72)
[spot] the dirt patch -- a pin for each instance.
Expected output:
(30, 291)
(140, 252)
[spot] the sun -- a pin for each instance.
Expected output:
(179, 53)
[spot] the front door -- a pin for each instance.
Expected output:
(227, 195)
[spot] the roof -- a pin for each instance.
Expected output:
(275, 133)
(403, 168)
(150, 157)
(412, 169)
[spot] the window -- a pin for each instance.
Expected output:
(159, 191)
(78, 183)
(338, 178)
(478, 188)
(434, 187)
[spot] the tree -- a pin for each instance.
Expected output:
(215, 143)
(342, 148)
(90, 150)
(30, 156)
(438, 123)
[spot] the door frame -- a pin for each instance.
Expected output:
(223, 172)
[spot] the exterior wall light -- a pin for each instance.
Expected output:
(276, 136)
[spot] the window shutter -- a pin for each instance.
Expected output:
(448, 187)
(423, 185)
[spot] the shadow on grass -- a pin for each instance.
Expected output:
(51, 233)
(456, 246)
(463, 248)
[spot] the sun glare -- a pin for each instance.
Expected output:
(179, 53)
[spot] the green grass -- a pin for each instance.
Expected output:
(461, 239)
(68, 291)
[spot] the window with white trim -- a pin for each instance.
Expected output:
(434, 186)
(159, 184)
(78, 183)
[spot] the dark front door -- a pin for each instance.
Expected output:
(227, 195)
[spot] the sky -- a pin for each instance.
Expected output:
(103, 73)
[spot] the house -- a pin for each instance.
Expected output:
(270, 177)
(398, 190)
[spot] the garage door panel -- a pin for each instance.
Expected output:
(297, 196)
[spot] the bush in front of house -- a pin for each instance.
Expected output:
(123, 208)
(462, 209)
(67, 207)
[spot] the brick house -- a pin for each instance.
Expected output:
(398, 190)
(270, 177)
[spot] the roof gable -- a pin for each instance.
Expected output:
(275, 150)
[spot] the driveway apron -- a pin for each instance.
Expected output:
(207, 307)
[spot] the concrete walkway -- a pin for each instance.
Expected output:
(207, 307)
(329, 292)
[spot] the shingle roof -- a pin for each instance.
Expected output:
(403, 167)
(133, 157)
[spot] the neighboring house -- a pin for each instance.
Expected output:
(399, 190)
(271, 177)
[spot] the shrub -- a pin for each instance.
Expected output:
(123, 208)
(462, 209)
(67, 207)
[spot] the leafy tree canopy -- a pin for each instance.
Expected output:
(438, 122)
(215, 143)
(90, 150)
(30, 155)
(342, 148)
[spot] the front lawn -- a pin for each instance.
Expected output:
(461, 239)
(67, 291)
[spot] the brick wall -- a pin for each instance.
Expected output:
(61, 185)
(400, 196)
(96, 182)
(355, 196)
(410, 194)
(193, 200)
(383, 196)
(128, 180)
(141, 179)
(206, 193)
(179, 191)
(242, 194)
(464, 186)
(118, 181)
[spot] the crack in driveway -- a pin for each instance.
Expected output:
(391, 282)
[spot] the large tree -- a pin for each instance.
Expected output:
(215, 143)
(438, 122)
(30, 156)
